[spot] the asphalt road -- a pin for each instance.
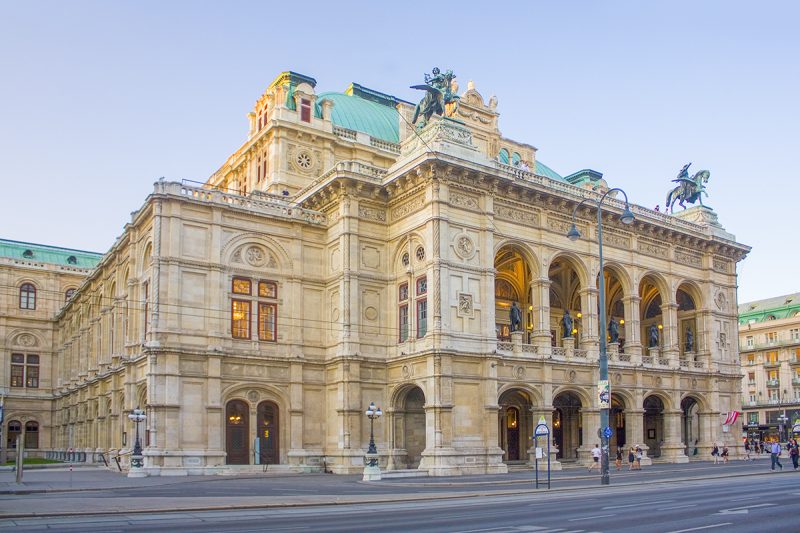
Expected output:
(758, 503)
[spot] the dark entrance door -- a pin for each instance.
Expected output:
(268, 433)
(237, 429)
(512, 433)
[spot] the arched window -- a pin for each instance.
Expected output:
(14, 429)
(72, 260)
(515, 158)
(503, 156)
(68, 294)
(31, 435)
(27, 296)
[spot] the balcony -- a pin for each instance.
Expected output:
(744, 347)
(796, 380)
(794, 360)
(773, 383)
(751, 383)
(772, 364)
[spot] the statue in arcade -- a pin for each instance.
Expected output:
(566, 324)
(652, 334)
(689, 189)
(515, 314)
(689, 340)
(439, 93)
(613, 330)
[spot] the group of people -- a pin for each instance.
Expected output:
(791, 448)
(634, 458)
(718, 454)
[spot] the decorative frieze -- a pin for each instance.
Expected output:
(529, 218)
(615, 239)
(561, 224)
(652, 248)
(415, 204)
(721, 264)
(688, 258)
(466, 201)
(465, 305)
(371, 213)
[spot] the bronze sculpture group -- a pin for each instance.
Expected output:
(439, 92)
(688, 189)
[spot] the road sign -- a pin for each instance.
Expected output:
(541, 430)
(607, 432)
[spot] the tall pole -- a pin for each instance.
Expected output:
(605, 403)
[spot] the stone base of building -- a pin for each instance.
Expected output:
(463, 461)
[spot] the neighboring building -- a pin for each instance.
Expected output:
(36, 282)
(339, 257)
(769, 346)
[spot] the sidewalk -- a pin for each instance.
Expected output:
(98, 491)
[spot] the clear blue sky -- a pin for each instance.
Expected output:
(99, 99)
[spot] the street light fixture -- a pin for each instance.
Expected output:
(137, 416)
(372, 413)
(573, 234)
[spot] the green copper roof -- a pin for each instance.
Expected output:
(54, 255)
(359, 114)
(544, 170)
(770, 309)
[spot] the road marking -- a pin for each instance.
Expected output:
(677, 507)
(590, 517)
(298, 490)
(744, 510)
(701, 527)
(635, 504)
(747, 498)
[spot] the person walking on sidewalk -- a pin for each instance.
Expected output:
(724, 454)
(793, 452)
(618, 461)
(775, 452)
(638, 457)
(631, 458)
(747, 451)
(596, 453)
(715, 453)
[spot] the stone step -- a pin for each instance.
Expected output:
(412, 472)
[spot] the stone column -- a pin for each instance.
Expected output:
(671, 337)
(589, 339)
(633, 341)
(635, 417)
(672, 449)
(591, 424)
(545, 411)
(541, 316)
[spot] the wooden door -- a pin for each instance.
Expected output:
(268, 434)
(237, 439)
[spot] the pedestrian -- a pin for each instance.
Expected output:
(761, 447)
(715, 453)
(638, 458)
(775, 452)
(724, 454)
(618, 461)
(631, 458)
(794, 452)
(596, 452)
(747, 451)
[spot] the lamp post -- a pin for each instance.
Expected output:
(372, 471)
(782, 419)
(573, 234)
(137, 460)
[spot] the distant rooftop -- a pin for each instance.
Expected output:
(770, 308)
(54, 255)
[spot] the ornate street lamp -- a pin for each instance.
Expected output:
(573, 234)
(138, 416)
(372, 413)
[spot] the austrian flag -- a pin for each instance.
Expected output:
(730, 418)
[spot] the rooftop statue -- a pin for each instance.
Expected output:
(439, 92)
(688, 189)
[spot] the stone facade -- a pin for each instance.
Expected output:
(333, 261)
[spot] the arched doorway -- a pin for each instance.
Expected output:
(653, 425)
(567, 425)
(690, 425)
(237, 429)
(410, 428)
(268, 434)
(617, 420)
(615, 305)
(516, 424)
(652, 320)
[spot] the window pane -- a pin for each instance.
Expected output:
(403, 294)
(403, 323)
(422, 285)
(241, 286)
(32, 379)
(17, 358)
(267, 322)
(17, 375)
(422, 318)
(27, 296)
(267, 289)
(305, 110)
(33, 359)
(31, 435)
(240, 319)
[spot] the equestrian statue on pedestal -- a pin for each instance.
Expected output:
(688, 189)
(439, 93)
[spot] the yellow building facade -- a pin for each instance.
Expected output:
(341, 256)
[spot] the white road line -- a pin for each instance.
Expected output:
(702, 527)
(590, 517)
(747, 498)
(677, 507)
(635, 505)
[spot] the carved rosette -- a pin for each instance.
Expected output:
(464, 247)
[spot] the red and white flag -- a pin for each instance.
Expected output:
(730, 418)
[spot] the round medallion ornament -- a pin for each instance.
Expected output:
(371, 313)
(617, 378)
(253, 396)
(572, 376)
(694, 383)
(721, 301)
(659, 381)
(405, 259)
(464, 247)
(26, 339)
(420, 254)
(519, 372)
(304, 160)
(335, 314)
(255, 256)
(406, 371)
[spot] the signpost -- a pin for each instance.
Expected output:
(544, 432)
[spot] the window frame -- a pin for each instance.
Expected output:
(305, 110)
(249, 308)
(249, 281)
(27, 294)
(421, 308)
(274, 307)
(403, 325)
